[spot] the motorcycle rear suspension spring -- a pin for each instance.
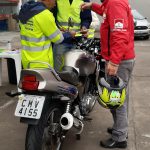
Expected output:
(68, 107)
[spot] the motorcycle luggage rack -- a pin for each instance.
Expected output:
(49, 67)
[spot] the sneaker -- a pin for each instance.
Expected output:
(110, 143)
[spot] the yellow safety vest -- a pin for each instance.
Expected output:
(36, 37)
(65, 10)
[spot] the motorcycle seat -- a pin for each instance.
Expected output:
(69, 75)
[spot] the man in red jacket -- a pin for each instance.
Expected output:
(117, 48)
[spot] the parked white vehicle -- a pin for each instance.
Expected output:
(141, 25)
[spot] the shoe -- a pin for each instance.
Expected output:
(110, 130)
(110, 143)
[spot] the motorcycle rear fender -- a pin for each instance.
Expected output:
(29, 121)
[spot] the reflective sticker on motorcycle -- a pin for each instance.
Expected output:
(118, 23)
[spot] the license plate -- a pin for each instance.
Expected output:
(30, 106)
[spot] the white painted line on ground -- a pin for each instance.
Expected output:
(146, 135)
(6, 105)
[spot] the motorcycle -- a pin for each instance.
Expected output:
(51, 102)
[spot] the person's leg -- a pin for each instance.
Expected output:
(119, 132)
(120, 126)
(58, 52)
(113, 112)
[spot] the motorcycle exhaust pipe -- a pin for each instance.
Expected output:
(66, 121)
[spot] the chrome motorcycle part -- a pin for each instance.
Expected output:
(68, 107)
(79, 125)
(77, 113)
(66, 121)
(87, 103)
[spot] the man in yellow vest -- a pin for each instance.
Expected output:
(38, 31)
(64, 11)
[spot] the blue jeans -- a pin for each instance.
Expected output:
(58, 53)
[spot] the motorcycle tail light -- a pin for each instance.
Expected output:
(30, 83)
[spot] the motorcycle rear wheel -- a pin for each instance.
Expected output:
(40, 136)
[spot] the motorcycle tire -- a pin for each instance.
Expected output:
(38, 137)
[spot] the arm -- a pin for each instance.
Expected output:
(86, 17)
(46, 19)
(92, 6)
(66, 34)
(119, 35)
(118, 21)
(97, 8)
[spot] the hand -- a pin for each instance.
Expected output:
(86, 5)
(63, 29)
(73, 33)
(84, 31)
(111, 69)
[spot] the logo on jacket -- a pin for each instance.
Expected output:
(118, 23)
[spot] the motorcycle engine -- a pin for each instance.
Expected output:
(87, 103)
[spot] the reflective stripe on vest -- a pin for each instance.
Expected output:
(57, 32)
(43, 38)
(32, 39)
(34, 49)
(76, 26)
(60, 40)
(66, 24)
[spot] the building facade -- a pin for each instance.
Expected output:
(7, 9)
